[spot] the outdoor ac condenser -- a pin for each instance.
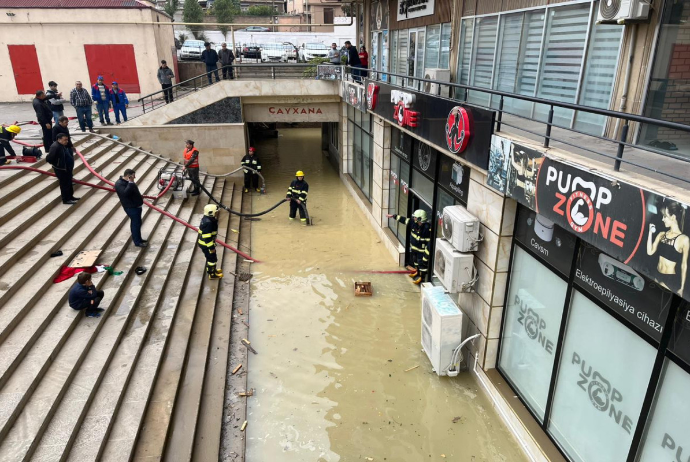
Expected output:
(442, 326)
(442, 75)
(454, 269)
(460, 228)
(622, 11)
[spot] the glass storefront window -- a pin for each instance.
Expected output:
(444, 60)
(433, 45)
(361, 157)
(534, 308)
(602, 380)
(403, 198)
(668, 437)
(423, 187)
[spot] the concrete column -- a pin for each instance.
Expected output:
(345, 141)
(381, 169)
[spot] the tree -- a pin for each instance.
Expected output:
(263, 10)
(347, 9)
(192, 12)
(225, 12)
(171, 7)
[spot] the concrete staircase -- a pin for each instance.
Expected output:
(139, 381)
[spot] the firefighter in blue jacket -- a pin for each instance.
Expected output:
(420, 236)
(251, 178)
(208, 230)
(297, 195)
(120, 103)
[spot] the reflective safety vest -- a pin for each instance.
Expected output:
(208, 230)
(251, 161)
(188, 155)
(420, 235)
(298, 190)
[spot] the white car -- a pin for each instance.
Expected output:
(191, 49)
(309, 51)
(273, 53)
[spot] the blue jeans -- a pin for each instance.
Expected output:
(84, 117)
(57, 115)
(103, 110)
(120, 109)
(134, 214)
(209, 69)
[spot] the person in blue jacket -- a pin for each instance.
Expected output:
(84, 296)
(100, 93)
(120, 103)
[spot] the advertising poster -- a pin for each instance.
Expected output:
(464, 130)
(374, 52)
(499, 159)
(384, 55)
(680, 338)
(424, 159)
(454, 178)
(326, 72)
(523, 169)
(642, 302)
(354, 95)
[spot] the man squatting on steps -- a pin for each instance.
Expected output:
(84, 296)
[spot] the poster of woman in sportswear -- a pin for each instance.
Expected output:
(671, 245)
(524, 169)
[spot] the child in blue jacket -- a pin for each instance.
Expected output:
(118, 98)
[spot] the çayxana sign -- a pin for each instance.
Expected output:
(462, 129)
(637, 227)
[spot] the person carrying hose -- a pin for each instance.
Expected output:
(208, 230)
(297, 195)
(7, 134)
(251, 177)
(420, 236)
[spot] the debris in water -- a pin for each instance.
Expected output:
(234, 371)
(247, 393)
(244, 425)
(443, 455)
(246, 343)
(245, 323)
(457, 419)
(239, 310)
(412, 368)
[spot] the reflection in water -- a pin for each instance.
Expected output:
(329, 375)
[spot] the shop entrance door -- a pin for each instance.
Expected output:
(416, 202)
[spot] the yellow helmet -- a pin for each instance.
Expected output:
(211, 210)
(14, 129)
(299, 173)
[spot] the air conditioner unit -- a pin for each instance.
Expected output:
(460, 228)
(442, 326)
(454, 269)
(442, 75)
(622, 11)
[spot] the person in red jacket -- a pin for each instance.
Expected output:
(364, 57)
(191, 165)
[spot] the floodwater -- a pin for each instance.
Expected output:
(330, 375)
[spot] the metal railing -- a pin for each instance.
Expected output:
(234, 71)
(462, 93)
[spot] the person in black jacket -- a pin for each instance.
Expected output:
(131, 201)
(45, 118)
(54, 99)
(297, 195)
(62, 159)
(7, 134)
(251, 177)
(210, 57)
(353, 61)
(61, 127)
(84, 296)
(208, 230)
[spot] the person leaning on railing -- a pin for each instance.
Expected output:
(165, 76)
(227, 57)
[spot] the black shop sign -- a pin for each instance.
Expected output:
(454, 177)
(462, 129)
(424, 158)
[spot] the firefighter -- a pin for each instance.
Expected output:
(208, 230)
(297, 195)
(191, 165)
(7, 134)
(420, 236)
(251, 178)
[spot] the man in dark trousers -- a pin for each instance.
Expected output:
(54, 98)
(297, 195)
(191, 165)
(208, 230)
(7, 134)
(210, 58)
(62, 159)
(100, 93)
(132, 202)
(227, 57)
(165, 76)
(84, 296)
(420, 236)
(251, 178)
(61, 127)
(353, 61)
(45, 118)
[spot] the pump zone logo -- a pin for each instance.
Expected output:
(458, 129)
(602, 395)
(372, 95)
(535, 326)
(401, 110)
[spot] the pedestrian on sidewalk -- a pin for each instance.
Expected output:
(61, 127)
(208, 230)
(132, 202)
(62, 159)
(191, 166)
(84, 296)
(334, 54)
(165, 76)
(101, 95)
(7, 134)
(420, 236)
(45, 118)
(227, 57)
(353, 61)
(210, 58)
(118, 99)
(82, 102)
(55, 101)
(297, 195)
(251, 177)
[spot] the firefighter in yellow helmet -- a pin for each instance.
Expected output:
(297, 195)
(7, 134)
(208, 230)
(420, 237)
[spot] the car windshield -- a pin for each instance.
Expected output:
(273, 46)
(316, 46)
(193, 43)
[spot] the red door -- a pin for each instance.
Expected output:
(115, 63)
(27, 73)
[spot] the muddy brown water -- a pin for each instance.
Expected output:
(329, 377)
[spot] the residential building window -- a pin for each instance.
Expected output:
(328, 15)
(361, 159)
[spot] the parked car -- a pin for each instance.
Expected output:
(256, 29)
(273, 52)
(191, 49)
(291, 51)
(308, 51)
(250, 51)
